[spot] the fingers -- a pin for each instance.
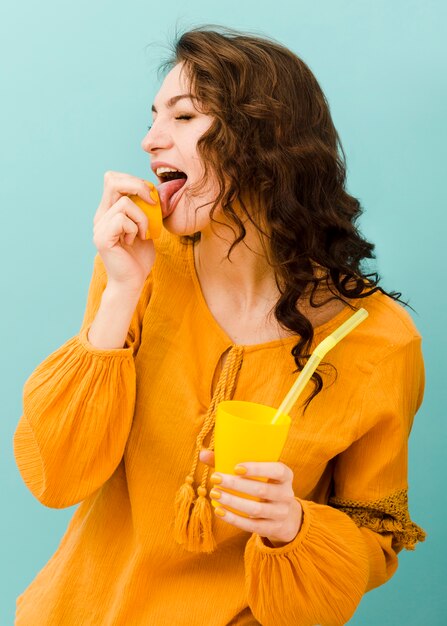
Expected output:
(273, 471)
(263, 527)
(268, 481)
(117, 185)
(207, 457)
(120, 228)
(252, 508)
(274, 513)
(279, 531)
(125, 219)
(262, 490)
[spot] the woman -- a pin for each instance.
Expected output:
(260, 259)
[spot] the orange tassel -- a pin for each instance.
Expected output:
(193, 524)
(183, 503)
(200, 529)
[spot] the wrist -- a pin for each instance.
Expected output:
(292, 529)
(110, 327)
(122, 293)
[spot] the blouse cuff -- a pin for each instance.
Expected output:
(109, 352)
(322, 573)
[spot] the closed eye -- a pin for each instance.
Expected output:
(179, 117)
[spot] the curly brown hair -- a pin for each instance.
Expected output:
(273, 138)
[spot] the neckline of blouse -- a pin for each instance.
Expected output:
(323, 329)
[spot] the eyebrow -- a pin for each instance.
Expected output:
(172, 101)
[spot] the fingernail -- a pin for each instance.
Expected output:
(214, 493)
(219, 511)
(216, 478)
(240, 470)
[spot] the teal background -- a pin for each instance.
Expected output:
(77, 83)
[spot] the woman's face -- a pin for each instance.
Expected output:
(172, 143)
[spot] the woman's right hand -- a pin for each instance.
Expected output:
(119, 231)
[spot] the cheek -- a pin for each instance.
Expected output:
(196, 172)
(196, 157)
(193, 142)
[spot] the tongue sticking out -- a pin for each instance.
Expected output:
(167, 190)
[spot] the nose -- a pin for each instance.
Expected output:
(157, 138)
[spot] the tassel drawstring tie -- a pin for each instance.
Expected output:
(193, 514)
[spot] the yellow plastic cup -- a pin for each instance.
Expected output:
(153, 211)
(244, 433)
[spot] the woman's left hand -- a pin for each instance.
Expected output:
(278, 515)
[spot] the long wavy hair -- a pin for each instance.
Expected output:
(273, 138)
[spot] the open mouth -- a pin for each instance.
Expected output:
(169, 188)
(167, 176)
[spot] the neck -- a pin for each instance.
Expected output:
(246, 278)
(241, 293)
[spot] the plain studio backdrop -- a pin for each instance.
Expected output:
(77, 82)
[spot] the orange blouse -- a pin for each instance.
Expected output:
(115, 431)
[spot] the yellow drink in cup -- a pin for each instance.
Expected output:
(243, 433)
(246, 431)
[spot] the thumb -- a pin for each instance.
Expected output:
(207, 457)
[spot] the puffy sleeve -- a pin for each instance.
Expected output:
(350, 545)
(78, 408)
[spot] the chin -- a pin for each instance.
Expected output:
(178, 224)
(186, 222)
(178, 229)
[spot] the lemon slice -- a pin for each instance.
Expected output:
(153, 211)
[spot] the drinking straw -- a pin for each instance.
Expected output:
(320, 351)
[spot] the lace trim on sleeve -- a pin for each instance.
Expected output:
(386, 515)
